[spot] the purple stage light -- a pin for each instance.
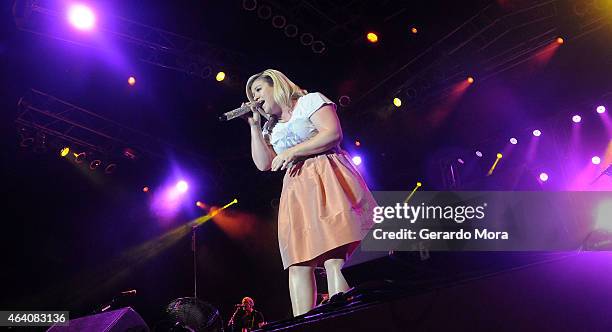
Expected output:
(81, 17)
(543, 177)
(537, 133)
(601, 109)
(596, 160)
(513, 140)
(576, 118)
(479, 154)
(357, 160)
(182, 186)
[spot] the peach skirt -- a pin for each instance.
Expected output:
(325, 204)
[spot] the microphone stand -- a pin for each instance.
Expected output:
(607, 171)
(231, 321)
(195, 264)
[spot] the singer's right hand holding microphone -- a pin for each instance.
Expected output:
(254, 117)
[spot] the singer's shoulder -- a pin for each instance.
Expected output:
(314, 96)
(312, 102)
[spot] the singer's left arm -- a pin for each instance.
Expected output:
(329, 136)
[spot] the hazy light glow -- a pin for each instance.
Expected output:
(543, 177)
(601, 109)
(576, 118)
(479, 154)
(513, 140)
(81, 17)
(357, 160)
(596, 160)
(397, 102)
(537, 133)
(132, 80)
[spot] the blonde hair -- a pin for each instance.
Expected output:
(284, 90)
(250, 300)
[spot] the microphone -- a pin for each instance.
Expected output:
(240, 111)
(129, 292)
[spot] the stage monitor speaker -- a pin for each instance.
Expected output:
(120, 320)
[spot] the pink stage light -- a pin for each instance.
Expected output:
(601, 109)
(537, 133)
(543, 177)
(596, 160)
(357, 160)
(81, 17)
(576, 118)
(479, 154)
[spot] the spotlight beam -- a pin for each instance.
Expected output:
(199, 221)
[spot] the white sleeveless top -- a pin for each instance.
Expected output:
(299, 128)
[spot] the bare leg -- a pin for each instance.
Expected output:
(302, 288)
(335, 280)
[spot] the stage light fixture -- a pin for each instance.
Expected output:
(372, 37)
(95, 164)
(81, 17)
(220, 76)
(344, 101)
(182, 186)
(306, 39)
(64, 151)
(79, 157)
(110, 168)
(397, 102)
(576, 118)
(537, 133)
(291, 30)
